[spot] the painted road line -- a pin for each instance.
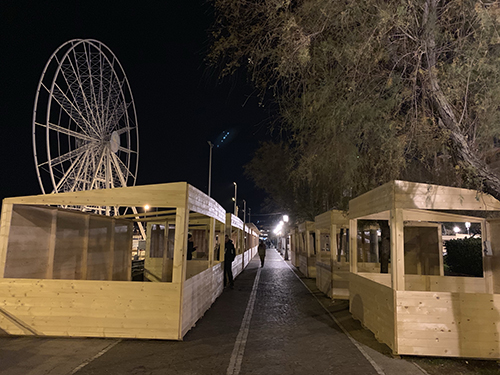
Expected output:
(241, 340)
(94, 357)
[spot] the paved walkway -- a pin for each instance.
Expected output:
(270, 323)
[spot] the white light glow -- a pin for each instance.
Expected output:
(285, 218)
(456, 229)
(146, 207)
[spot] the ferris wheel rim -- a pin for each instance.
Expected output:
(126, 100)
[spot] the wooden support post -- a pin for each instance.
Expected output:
(487, 268)
(4, 235)
(111, 262)
(85, 248)
(211, 242)
(440, 242)
(164, 268)
(333, 250)
(353, 245)
(52, 246)
(397, 249)
(317, 235)
(130, 230)
(222, 241)
(308, 244)
(180, 245)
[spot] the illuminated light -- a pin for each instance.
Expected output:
(467, 224)
(232, 199)
(285, 218)
(456, 229)
(146, 207)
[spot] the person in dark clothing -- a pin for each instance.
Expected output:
(191, 248)
(262, 252)
(229, 255)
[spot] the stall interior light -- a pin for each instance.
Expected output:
(146, 207)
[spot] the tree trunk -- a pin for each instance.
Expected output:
(447, 120)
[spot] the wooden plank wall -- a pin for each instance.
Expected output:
(200, 292)
(340, 280)
(195, 266)
(445, 284)
(448, 324)
(80, 308)
(311, 266)
(324, 277)
(237, 265)
(303, 264)
(372, 304)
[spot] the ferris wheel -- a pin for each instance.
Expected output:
(85, 132)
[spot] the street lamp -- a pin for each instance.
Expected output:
(210, 168)
(467, 225)
(235, 191)
(285, 220)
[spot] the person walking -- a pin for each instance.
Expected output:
(191, 248)
(229, 255)
(262, 252)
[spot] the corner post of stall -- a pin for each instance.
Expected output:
(180, 252)
(397, 249)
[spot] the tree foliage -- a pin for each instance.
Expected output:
(372, 91)
(464, 257)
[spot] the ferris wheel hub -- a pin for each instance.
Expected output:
(114, 142)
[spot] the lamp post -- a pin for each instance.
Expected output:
(235, 191)
(467, 225)
(285, 220)
(244, 210)
(210, 168)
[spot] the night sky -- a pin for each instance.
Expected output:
(179, 102)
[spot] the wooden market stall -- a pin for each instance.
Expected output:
(235, 231)
(251, 242)
(305, 249)
(67, 273)
(415, 309)
(332, 266)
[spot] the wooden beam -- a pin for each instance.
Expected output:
(428, 215)
(146, 214)
(397, 249)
